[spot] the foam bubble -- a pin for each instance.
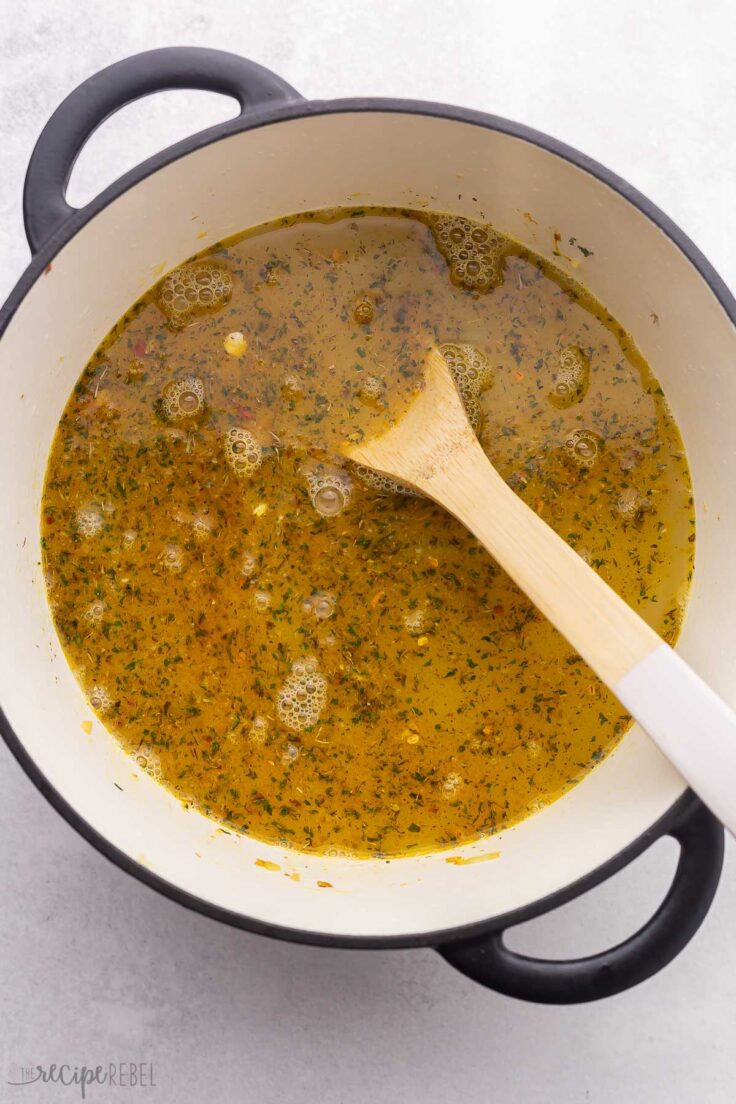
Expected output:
(632, 504)
(88, 521)
(172, 557)
(321, 604)
(129, 538)
(372, 391)
(291, 387)
(572, 378)
(338, 853)
(474, 253)
(262, 600)
(242, 451)
(94, 613)
(258, 730)
(291, 754)
(363, 311)
(307, 666)
(183, 398)
(202, 527)
(197, 287)
(384, 484)
(248, 564)
(630, 459)
(99, 699)
(472, 374)
(303, 696)
(451, 784)
(330, 488)
(681, 601)
(582, 447)
(150, 763)
(414, 621)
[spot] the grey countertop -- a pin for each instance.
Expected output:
(97, 968)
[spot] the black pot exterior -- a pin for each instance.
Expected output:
(478, 949)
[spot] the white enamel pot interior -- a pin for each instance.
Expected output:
(246, 178)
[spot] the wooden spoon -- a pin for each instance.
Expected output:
(434, 449)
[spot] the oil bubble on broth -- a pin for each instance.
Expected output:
(378, 481)
(242, 451)
(474, 253)
(183, 399)
(582, 447)
(303, 696)
(330, 488)
(195, 288)
(471, 374)
(308, 651)
(572, 378)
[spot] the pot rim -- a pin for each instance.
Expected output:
(59, 239)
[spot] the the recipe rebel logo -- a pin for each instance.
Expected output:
(119, 1075)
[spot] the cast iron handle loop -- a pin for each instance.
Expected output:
(75, 120)
(489, 961)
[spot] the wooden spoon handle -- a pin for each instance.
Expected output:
(433, 448)
(690, 723)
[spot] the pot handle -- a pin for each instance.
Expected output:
(88, 106)
(489, 961)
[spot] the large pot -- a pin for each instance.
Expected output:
(281, 155)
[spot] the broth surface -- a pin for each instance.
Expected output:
(295, 650)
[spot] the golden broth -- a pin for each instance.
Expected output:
(309, 658)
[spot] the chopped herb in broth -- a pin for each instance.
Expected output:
(299, 649)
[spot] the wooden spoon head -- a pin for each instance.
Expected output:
(434, 427)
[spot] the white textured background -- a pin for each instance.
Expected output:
(94, 967)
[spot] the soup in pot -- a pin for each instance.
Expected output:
(301, 649)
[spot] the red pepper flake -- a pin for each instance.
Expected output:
(244, 412)
(139, 349)
(49, 519)
(47, 269)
